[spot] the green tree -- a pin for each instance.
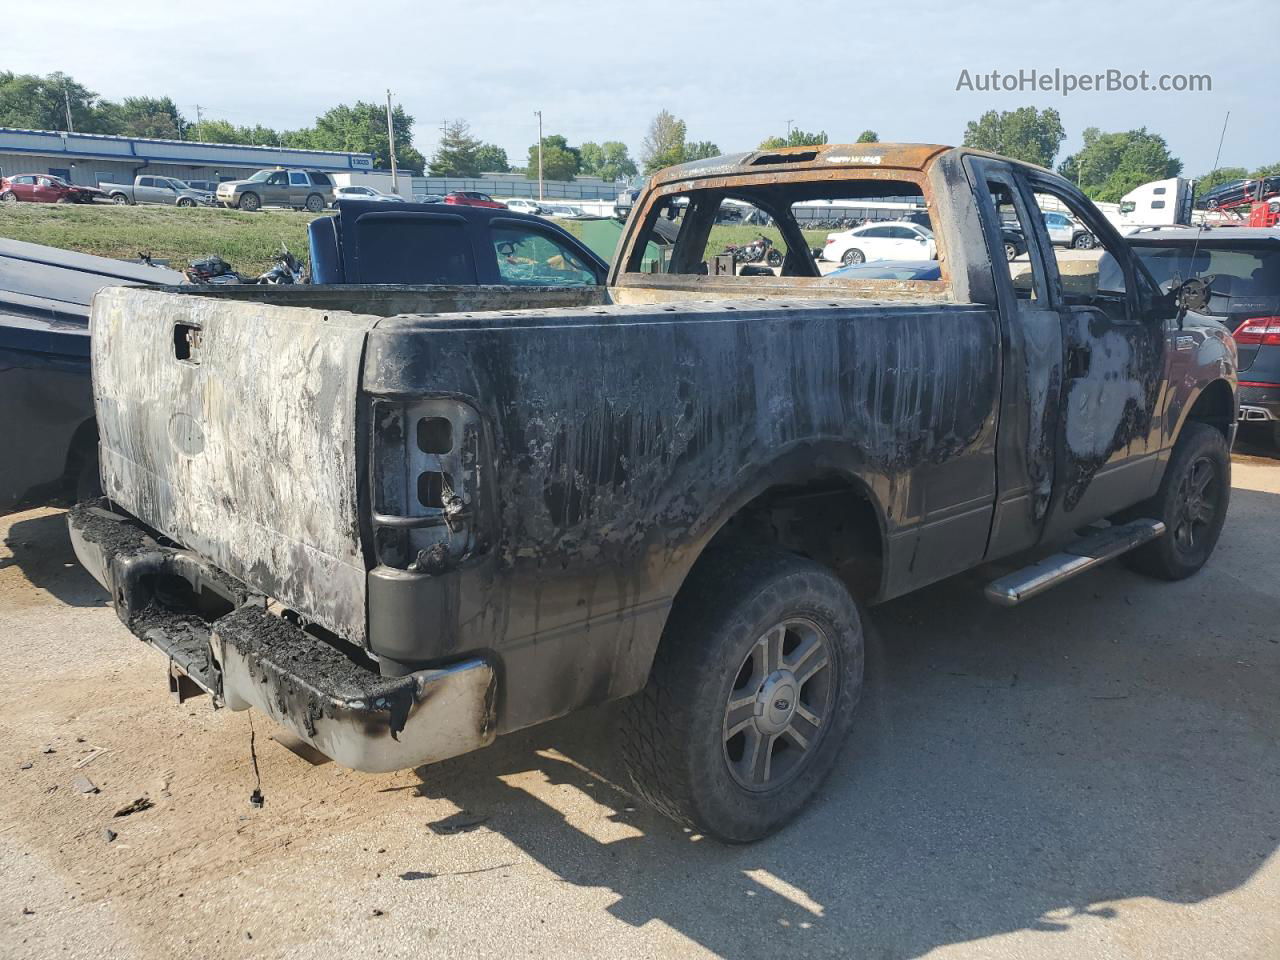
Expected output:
(559, 160)
(362, 128)
(868, 136)
(700, 150)
(796, 138)
(663, 145)
(457, 153)
(1268, 170)
(492, 159)
(1109, 165)
(608, 161)
(40, 103)
(1023, 134)
(216, 131)
(154, 117)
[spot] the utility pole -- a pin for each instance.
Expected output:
(391, 139)
(66, 98)
(539, 113)
(789, 123)
(199, 114)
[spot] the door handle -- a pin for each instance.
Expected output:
(1078, 362)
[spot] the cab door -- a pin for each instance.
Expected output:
(299, 187)
(1113, 347)
(276, 189)
(24, 188)
(44, 191)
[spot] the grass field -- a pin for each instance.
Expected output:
(245, 240)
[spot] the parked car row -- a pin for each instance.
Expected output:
(310, 190)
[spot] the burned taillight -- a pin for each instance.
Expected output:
(425, 482)
(1259, 331)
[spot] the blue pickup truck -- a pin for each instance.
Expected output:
(433, 243)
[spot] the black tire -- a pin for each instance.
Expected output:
(718, 643)
(250, 202)
(8, 197)
(119, 199)
(774, 259)
(315, 203)
(186, 202)
(1010, 251)
(1194, 520)
(1083, 241)
(852, 256)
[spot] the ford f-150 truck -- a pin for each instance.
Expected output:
(169, 191)
(402, 521)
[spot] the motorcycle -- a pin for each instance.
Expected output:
(286, 269)
(761, 249)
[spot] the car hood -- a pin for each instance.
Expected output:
(231, 184)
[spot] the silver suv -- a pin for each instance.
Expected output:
(299, 189)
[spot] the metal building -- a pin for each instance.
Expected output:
(90, 158)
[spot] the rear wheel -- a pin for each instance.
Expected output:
(1192, 501)
(751, 694)
(119, 199)
(1010, 251)
(315, 203)
(250, 202)
(1083, 241)
(853, 256)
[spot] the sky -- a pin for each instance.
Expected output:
(735, 72)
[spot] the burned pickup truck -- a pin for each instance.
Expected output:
(404, 521)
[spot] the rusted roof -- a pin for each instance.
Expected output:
(910, 156)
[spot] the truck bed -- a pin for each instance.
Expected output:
(231, 420)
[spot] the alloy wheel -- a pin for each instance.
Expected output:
(777, 711)
(1197, 504)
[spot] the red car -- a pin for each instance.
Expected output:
(469, 198)
(44, 188)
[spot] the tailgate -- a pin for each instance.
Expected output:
(230, 426)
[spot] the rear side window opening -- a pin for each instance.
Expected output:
(429, 249)
(869, 229)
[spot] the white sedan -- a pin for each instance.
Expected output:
(364, 193)
(896, 240)
(523, 206)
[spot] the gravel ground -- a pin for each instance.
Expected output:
(1093, 775)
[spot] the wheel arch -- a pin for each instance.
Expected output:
(781, 503)
(82, 448)
(1215, 404)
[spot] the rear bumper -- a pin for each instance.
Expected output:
(220, 638)
(1259, 403)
